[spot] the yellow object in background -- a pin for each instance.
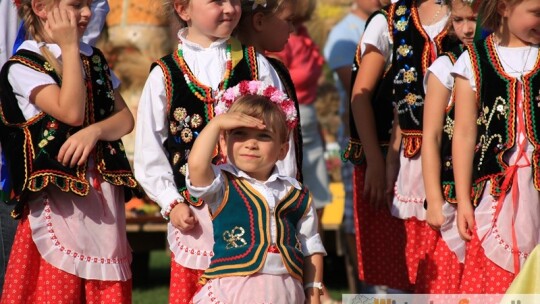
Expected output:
(528, 279)
(333, 213)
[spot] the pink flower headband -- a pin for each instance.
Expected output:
(259, 88)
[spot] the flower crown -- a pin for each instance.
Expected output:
(258, 88)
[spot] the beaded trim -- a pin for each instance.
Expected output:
(203, 92)
(167, 211)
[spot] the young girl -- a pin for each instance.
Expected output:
(399, 43)
(176, 103)
(267, 249)
(495, 145)
(443, 275)
(267, 28)
(61, 108)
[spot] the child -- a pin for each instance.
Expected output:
(60, 104)
(266, 26)
(440, 271)
(495, 144)
(256, 260)
(176, 103)
(339, 53)
(397, 46)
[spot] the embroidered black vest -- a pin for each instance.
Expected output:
(381, 104)
(242, 231)
(187, 114)
(496, 96)
(447, 169)
(286, 80)
(413, 53)
(31, 146)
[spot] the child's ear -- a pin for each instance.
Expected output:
(503, 8)
(182, 10)
(283, 150)
(258, 21)
(39, 9)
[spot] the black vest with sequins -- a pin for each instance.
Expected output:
(413, 53)
(497, 94)
(187, 114)
(31, 146)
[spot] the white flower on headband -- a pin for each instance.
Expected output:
(254, 87)
(258, 2)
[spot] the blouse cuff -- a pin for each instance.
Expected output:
(313, 245)
(205, 192)
(167, 200)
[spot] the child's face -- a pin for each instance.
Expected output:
(276, 29)
(209, 20)
(255, 151)
(81, 10)
(523, 21)
(463, 21)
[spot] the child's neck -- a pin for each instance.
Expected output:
(507, 39)
(204, 41)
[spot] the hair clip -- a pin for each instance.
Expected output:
(258, 2)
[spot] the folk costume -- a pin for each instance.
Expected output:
(262, 231)
(176, 103)
(72, 233)
(409, 48)
(505, 167)
(440, 271)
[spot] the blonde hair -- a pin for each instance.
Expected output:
(489, 13)
(262, 108)
(35, 28)
(303, 10)
(169, 11)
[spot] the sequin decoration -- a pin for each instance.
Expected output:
(179, 114)
(196, 121)
(176, 158)
(401, 10)
(234, 237)
(186, 135)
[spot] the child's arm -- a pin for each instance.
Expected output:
(370, 71)
(435, 104)
(200, 167)
(463, 145)
(392, 159)
(78, 146)
(313, 273)
(64, 103)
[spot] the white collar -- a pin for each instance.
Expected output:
(33, 45)
(182, 33)
(273, 177)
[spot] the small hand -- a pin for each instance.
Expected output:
(375, 184)
(234, 120)
(392, 171)
(434, 215)
(465, 220)
(182, 218)
(77, 147)
(61, 26)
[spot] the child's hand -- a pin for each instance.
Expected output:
(234, 120)
(182, 218)
(434, 215)
(77, 147)
(392, 171)
(375, 184)
(62, 27)
(465, 220)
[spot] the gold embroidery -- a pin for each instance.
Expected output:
(234, 236)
